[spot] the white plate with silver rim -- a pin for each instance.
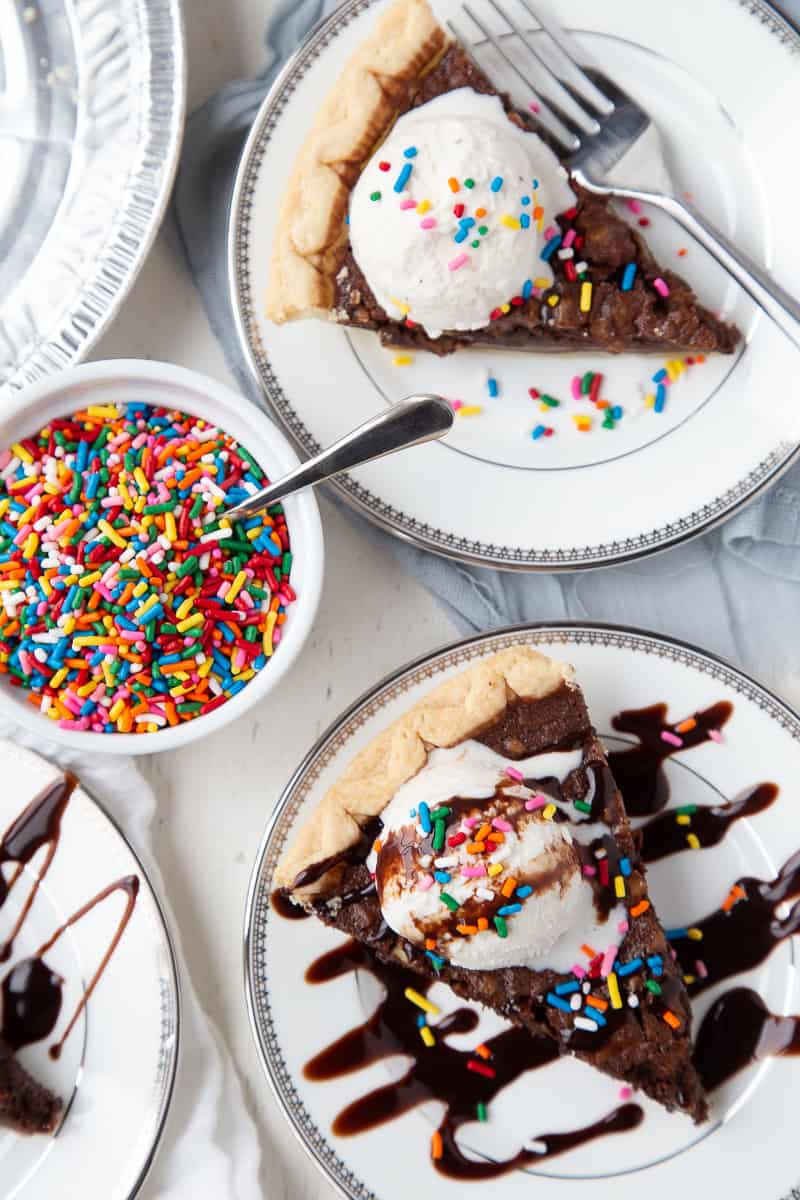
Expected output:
(116, 1067)
(575, 499)
(748, 1147)
(92, 100)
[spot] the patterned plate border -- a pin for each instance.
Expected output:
(258, 910)
(408, 528)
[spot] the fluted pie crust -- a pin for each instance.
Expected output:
(454, 711)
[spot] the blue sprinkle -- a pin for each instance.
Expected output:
(566, 989)
(672, 934)
(616, 412)
(524, 220)
(467, 222)
(596, 1015)
(527, 289)
(524, 891)
(461, 236)
(412, 813)
(661, 398)
(403, 177)
(410, 152)
(538, 432)
(550, 248)
(655, 960)
(526, 200)
(442, 876)
(438, 962)
(556, 1002)
(628, 276)
(508, 910)
(629, 967)
(422, 1020)
(425, 817)
(625, 866)
(660, 376)
(497, 183)
(491, 384)
(535, 184)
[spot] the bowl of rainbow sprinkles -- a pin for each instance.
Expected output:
(132, 615)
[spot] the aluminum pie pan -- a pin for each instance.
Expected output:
(92, 108)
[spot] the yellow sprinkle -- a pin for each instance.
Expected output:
(59, 677)
(695, 934)
(5, 504)
(549, 811)
(470, 410)
(650, 400)
(149, 603)
(421, 1001)
(110, 532)
(31, 542)
(509, 221)
(103, 410)
(669, 367)
(582, 424)
(553, 301)
(44, 584)
(541, 282)
(586, 296)
(90, 640)
(140, 589)
(190, 623)
(236, 587)
(184, 609)
(423, 206)
(52, 489)
(613, 991)
(495, 869)
(402, 360)
(87, 689)
(205, 667)
(619, 886)
(404, 308)
(21, 453)
(69, 625)
(170, 527)
(27, 482)
(693, 841)
(88, 580)
(506, 308)
(268, 631)
(126, 496)
(682, 819)
(141, 480)
(426, 1033)
(689, 980)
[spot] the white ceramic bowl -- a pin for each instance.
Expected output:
(123, 380)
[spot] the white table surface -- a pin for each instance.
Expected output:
(215, 796)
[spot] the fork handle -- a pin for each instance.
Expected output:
(775, 301)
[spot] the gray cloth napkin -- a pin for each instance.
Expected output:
(734, 591)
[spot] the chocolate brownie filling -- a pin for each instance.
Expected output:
(25, 1105)
(636, 1043)
(639, 318)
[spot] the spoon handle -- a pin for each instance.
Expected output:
(415, 420)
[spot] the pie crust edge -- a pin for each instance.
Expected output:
(311, 237)
(454, 711)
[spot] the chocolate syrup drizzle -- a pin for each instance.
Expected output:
(32, 993)
(439, 1072)
(737, 1031)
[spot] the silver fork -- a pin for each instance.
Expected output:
(600, 129)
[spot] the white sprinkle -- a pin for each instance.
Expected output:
(537, 1147)
(581, 267)
(586, 988)
(568, 253)
(586, 1024)
(633, 1000)
(575, 1001)
(484, 893)
(425, 860)
(600, 852)
(449, 860)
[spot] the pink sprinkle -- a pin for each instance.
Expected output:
(578, 971)
(456, 405)
(513, 773)
(661, 287)
(623, 927)
(474, 872)
(82, 724)
(534, 107)
(428, 223)
(576, 387)
(569, 238)
(408, 203)
(671, 738)
(715, 736)
(535, 802)
(608, 961)
(425, 882)
(458, 262)
(470, 822)
(503, 826)
(589, 870)
(701, 968)
(625, 1093)
(634, 206)
(550, 232)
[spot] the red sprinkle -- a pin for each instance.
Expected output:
(594, 390)
(458, 210)
(644, 222)
(481, 1068)
(533, 393)
(569, 270)
(517, 301)
(456, 839)
(495, 313)
(570, 214)
(384, 166)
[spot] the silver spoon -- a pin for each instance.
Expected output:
(415, 420)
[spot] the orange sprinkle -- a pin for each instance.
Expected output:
(497, 837)
(686, 725)
(538, 212)
(483, 833)
(437, 1145)
(476, 847)
(483, 923)
(430, 943)
(588, 951)
(483, 1051)
(640, 908)
(480, 212)
(377, 845)
(671, 1019)
(453, 184)
(508, 886)
(734, 895)
(597, 1002)
(466, 930)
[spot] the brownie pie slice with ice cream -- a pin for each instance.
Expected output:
(423, 207)
(481, 840)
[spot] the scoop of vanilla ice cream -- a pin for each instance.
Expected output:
(555, 918)
(408, 232)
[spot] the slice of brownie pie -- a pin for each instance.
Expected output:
(481, 840)
(423, 207)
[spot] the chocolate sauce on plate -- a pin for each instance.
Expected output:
(285, 907)
(638, 770)
(664, 834)
(438, 1072)
(739, 1030)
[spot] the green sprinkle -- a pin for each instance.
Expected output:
(453, 904)
(483, 230)
(582, 806)
(196, 509)
(374, 195)
(475, 245)
(286, 563)
(186, 568)
(156, 509)
(192, 706)
(469, 183)
(501, 927)
(653, 987)
(586, 383)
(550, 401)
(441, 813)
(686, 810)
(439, 831)
(480, 1110)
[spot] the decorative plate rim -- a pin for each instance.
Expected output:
(257, 907)
(98, 300)
(361, 499)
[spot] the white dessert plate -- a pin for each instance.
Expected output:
(116, 1069)
(490, 493)
(748, 1147)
